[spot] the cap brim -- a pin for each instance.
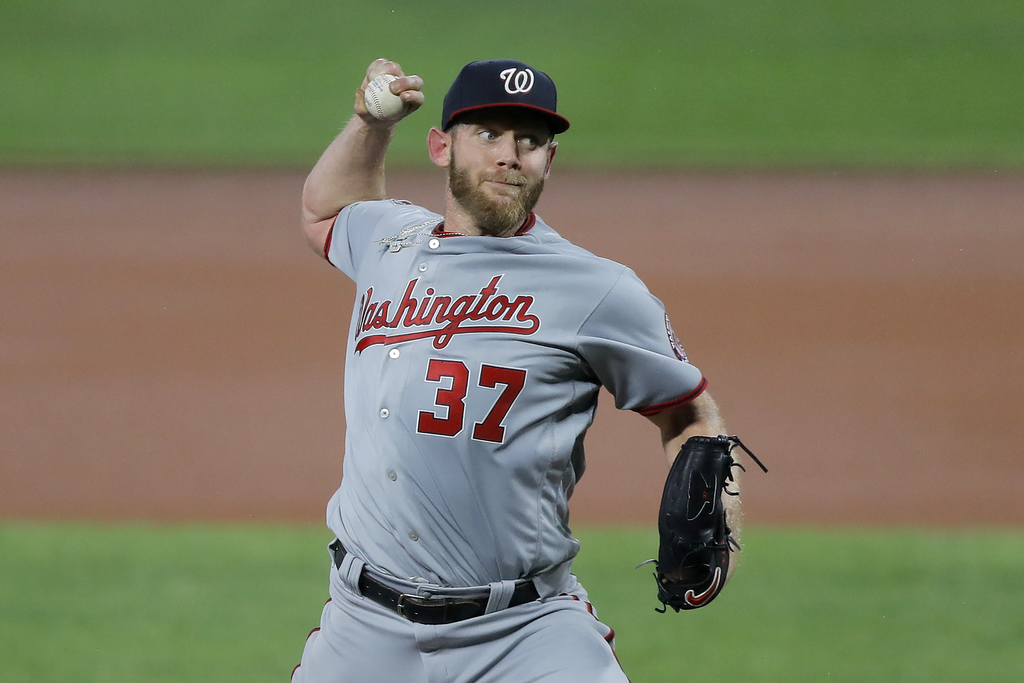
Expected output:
(557, 122)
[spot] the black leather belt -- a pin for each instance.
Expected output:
(435, 610)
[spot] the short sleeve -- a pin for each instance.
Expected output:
(358, 224)
(631, 347)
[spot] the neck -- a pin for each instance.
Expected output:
(457, 220)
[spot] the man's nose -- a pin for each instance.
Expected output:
(508, 152)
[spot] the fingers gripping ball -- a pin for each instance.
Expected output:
(695, 539)
(380, 101)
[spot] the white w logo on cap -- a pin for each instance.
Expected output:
(517, 80)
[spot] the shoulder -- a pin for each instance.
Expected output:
(547, 240)
(360, 224)
(596, 275)
(384, 211)
(368, 221)
(590, 282)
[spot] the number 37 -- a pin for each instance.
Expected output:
(455, 375)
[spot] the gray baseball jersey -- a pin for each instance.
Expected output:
(471, 376)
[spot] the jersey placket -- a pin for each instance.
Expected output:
(396, 365)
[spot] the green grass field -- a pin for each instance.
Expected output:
(111, 603)
(845, 83)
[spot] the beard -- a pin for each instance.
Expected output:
(494, 217)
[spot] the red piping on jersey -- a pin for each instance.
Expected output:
(317, 629)
(610, 638)
(530, 221)
(330, 236)
(439, 231)
(590, 608)
(682, 400)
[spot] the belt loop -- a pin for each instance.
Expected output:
(350, 570)
(501, 595)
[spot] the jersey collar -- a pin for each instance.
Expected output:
(530, 221)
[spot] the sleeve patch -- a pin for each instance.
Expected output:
(673, 340)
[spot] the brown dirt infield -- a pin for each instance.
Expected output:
(170, 349)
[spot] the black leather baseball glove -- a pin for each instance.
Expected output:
(693, 557)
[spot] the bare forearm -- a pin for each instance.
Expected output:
(351, 169)
(701, 417)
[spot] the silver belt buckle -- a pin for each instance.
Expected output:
(414, 599)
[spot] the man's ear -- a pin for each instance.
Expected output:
(439, 145)
(552, 148)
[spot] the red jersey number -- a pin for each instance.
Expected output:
(451, 397)
(513, 380)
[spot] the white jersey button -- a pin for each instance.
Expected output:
(423, 267)
(392, 475)
(384, 412)
(434, 243)
(413, 536)
(394, 353)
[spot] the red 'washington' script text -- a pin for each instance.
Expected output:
(442, 315)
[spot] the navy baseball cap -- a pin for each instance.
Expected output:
(502, 83)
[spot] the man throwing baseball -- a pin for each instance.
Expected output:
(478, 343)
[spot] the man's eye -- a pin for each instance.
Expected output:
(488, 135)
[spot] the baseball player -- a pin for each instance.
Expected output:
(479, 340)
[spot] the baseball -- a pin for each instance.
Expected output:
(380, 101)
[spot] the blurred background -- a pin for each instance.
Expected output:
(906, 84)
(828, 197)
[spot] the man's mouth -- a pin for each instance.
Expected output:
(505, 184)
